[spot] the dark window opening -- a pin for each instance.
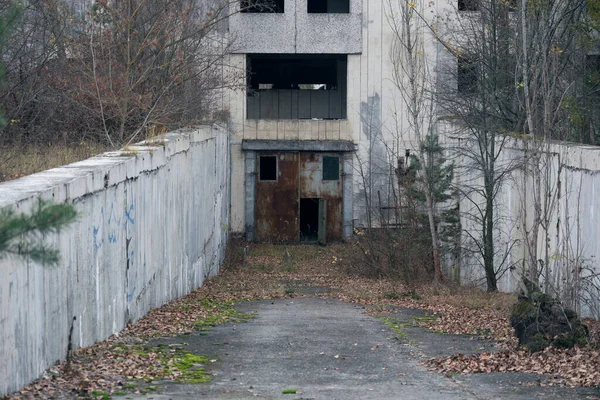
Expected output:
(466, 78)
(290, 86)
(591, 73)
(331, 168)
(592, 65)
(262, 6)
(328, 6)
(309, 220)
(468, 5)
(268, 168)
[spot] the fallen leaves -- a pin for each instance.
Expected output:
(573, 367)
(111, 366)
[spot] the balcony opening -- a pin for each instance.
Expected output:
(290, 86)
(262, 6)
(328, 6)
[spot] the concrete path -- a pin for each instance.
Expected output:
(326, 349)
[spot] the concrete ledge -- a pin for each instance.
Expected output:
(152, 226)
(81, 178)
(299, 145)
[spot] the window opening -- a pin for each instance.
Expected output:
(262, 6)
(328, 6)
(268, 168)
(466, 77)
(309, 220)
(331, 168)
(468, 5)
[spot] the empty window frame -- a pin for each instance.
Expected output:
(267, 168)
(328, 6)
(262, 6)
(466, 75)
(468, 5)
(331, 168)
(291, 86)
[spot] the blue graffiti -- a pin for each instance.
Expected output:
(99, 243)
(128, 214)
(114, 224)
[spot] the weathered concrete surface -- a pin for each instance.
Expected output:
(152, 225)
(327, 349)
(296, 31)
(571, 203)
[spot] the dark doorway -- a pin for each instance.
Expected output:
(309, 220)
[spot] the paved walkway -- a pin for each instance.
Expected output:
(326, 349)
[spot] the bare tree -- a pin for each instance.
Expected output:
(113, 71)
(548, 48)
(476, 92)
(414, 83)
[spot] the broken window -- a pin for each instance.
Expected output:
(262, 6)
(268, 168)
(331, 168)
(328, 6)
(468, 5)
(290, 86)
(466, 77)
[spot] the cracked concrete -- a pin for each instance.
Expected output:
(327, 349)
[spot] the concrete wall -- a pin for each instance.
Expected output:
(297, 31)
(570, 239)
(152, 226)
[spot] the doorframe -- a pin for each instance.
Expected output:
(251, 148)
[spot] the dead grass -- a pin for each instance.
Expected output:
(17, 161)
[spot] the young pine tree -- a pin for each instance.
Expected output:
(23, 235)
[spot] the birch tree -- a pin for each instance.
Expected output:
(412, 78)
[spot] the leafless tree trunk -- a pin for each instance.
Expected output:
(412, 79)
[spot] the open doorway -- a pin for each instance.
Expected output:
(309, 220)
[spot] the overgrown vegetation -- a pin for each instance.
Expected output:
(20, 159)
(108, 73)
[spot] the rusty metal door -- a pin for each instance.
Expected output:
(277, 200)
(314, 184)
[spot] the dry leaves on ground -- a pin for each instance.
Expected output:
(573, 367)
(110, 366)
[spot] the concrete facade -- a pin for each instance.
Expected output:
(297, 31)
(153, 223)
(375, 112)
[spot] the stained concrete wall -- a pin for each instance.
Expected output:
(571, 237)
(297, 31)
(152, 225)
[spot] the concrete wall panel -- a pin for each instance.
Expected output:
(152, 226)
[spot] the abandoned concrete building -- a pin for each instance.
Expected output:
(319, 101)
